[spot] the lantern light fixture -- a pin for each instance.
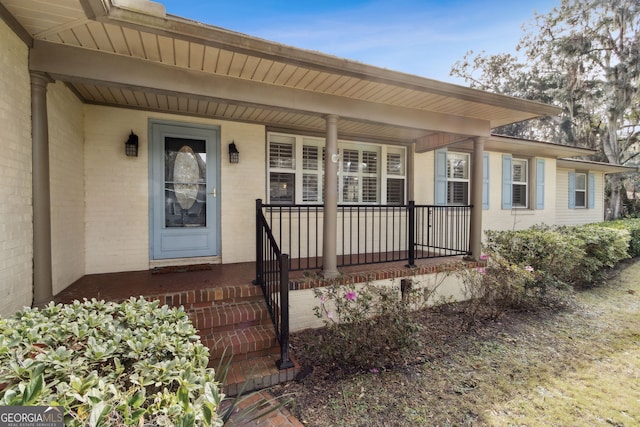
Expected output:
(234, 154)
(131, 146)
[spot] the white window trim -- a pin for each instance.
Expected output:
(467, 180)
(382, 173)
(584, 191)
(527, 175)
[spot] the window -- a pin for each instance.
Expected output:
(519, 179)
(582, 188)
(457, 179)
(367, 173)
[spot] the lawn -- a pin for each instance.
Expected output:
(572, 365)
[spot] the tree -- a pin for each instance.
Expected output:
(585, 57)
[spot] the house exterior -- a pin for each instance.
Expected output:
(80, 76)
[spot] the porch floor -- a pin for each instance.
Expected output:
(171, 280)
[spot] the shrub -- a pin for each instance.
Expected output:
(109, 364)
(632, 226)
(554, 255)
(500, 286)
(603, 248)
(367, 326)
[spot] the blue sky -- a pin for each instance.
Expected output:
(418, 37)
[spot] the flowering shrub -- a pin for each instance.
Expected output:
(368, 326)
(109, 364)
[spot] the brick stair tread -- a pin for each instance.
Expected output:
(241, 343)
(221, 317)
(208, 297)
(257, 373)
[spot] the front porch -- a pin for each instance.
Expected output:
(229, 311)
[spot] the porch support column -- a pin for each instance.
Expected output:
(42, 272)
(329, 246)
(475, 226)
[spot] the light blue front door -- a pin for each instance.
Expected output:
(184, 206)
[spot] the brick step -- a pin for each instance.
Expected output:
(209, 297)
(225, 317)
(241, 344)
(245, 376)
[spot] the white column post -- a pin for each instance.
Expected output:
(329, 257)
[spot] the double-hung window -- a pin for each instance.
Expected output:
(457, 178)
(519, 182)
(367, 173)
(582, 190)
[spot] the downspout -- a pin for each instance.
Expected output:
(42, 270)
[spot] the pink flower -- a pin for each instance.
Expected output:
(330, 314)
(529, 268)
(482, 270)
(483, 257)
(350, 296)
(374, 370)
(321, 298)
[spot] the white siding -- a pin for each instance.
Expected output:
(66, 148)
(16, 231)
(576, 216)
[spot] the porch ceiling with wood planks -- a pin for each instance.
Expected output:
(130, 53)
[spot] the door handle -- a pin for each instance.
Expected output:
(213, 192)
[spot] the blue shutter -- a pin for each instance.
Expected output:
(485, 181)
(441, 176)
(592, 190)
(507, 184)
(539, 183)
(572, 190)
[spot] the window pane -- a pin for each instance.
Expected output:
(369, 162)
(458, 166)
(581, 181)
(519, 171)
(395, 191)
(349, 160)
(519, 196)
(282, 187)
(581, 199)
(281, 155)
(309, 187)
(369, 189)
(395, 164)
(458, 193)
(350, 189)
(310, 158)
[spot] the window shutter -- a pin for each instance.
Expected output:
(572, 190)
(441, 176)
(592, 190)
(539, 183)
(507, 184)
(485, 181)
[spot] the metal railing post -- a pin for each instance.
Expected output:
(259, 245)
(411, 238)
(285, 361)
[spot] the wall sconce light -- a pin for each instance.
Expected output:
(131, 146)
(234, 154)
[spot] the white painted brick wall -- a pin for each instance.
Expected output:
(117, 188)
(16, 233)
(66, 151)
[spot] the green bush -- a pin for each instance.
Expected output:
(603, 248)
(551, 253)
(631, 225)
(109, 364)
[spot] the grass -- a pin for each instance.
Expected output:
(572, 366)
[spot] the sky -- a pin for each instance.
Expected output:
(421, 37)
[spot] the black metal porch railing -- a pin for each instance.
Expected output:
(369, 234)
(272, 274)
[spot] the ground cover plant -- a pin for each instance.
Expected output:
(573, 360)
(109, 364)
